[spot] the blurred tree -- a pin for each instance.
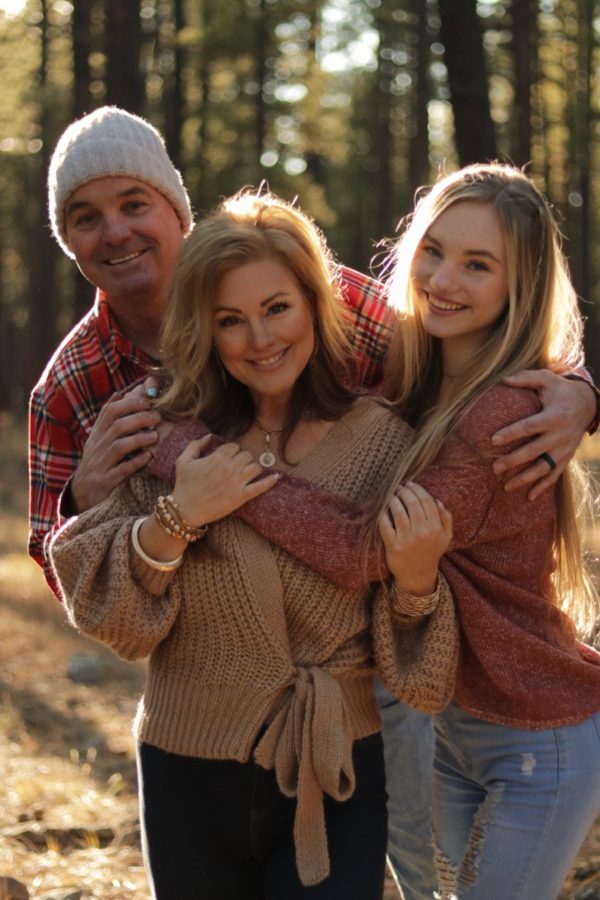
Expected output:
(524, 42)
(41, 258)
(123, 42)
(82, 51)
(174, 99)
(419, 168)
(461, 35)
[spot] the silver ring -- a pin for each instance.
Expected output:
(547, 458)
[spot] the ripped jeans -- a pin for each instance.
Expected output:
(511, 807)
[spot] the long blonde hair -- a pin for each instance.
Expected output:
(540, 328)
(247, 227)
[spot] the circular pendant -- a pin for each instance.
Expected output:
(267, 459)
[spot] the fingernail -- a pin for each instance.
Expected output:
(152, 392)
(498, 467)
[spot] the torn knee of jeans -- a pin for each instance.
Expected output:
(447, 874)
(483, 817)
(451, 878)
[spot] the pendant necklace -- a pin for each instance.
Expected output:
(267, 458)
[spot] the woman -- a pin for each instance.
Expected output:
(484, 291)
(260, 757)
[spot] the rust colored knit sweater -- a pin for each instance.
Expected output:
(520, 663)
(248, 635)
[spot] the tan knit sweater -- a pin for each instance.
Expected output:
(247, 635)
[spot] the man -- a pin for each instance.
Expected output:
(118, 207)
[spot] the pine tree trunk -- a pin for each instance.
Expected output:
(467, 78)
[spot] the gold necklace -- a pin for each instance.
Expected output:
(267, 458)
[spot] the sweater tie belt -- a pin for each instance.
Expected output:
(308, 746)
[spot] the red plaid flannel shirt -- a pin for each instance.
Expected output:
(93, 361)
(96, 359)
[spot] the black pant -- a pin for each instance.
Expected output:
(220, 830)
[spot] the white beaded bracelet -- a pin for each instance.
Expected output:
(168, 565)
(405, 604)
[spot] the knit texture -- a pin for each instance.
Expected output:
(520, 663)
(245, 635)
(111, 142)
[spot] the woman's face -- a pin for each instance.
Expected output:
(263, 327)
(459, 274)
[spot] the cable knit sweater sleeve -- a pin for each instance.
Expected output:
(110, 594)
(417, 660)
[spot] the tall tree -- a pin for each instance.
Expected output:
(586, 116)
(419, 139)
(524, 15)
(123, 42)
(42, 256)
(174, 100)
(467, 79)
(82, 49)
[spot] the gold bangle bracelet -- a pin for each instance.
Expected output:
(168, 565)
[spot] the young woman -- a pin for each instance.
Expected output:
(260, 757)
(485, 291)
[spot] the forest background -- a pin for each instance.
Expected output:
(348, 105)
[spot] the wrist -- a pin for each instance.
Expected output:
(155, 560)
(156, 543)
(405, 603)
(593, 422)
(169, 517)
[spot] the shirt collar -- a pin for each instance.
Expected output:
(116, 347)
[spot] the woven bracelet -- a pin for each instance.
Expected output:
(405, 604)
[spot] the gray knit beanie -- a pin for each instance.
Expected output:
(111, 142)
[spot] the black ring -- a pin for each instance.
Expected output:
(547, 458)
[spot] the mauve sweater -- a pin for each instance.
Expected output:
(520, 662)
(247, 635)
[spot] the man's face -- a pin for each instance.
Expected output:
(126, 239)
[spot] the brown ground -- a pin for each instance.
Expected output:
(68, 812)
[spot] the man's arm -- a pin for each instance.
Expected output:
(570, 409)
(571, 403)
(73, 467)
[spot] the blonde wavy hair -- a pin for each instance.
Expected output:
(540, 328)
(250, 226)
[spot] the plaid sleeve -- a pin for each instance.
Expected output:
(372, 323)
(54, 452)
(582, 374)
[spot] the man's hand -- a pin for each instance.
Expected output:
(568, 408)
(119, 444)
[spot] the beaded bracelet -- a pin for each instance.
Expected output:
(168, 565)
(405, 604)
(169, 517)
